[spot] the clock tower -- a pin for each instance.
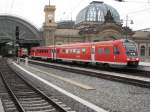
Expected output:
(49, 25)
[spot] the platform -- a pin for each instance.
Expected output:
(106, 94)
(1, 107)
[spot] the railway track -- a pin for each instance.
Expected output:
(24, 97)
(130, 76)
(131, 71)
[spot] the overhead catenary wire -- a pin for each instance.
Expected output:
(144, 2)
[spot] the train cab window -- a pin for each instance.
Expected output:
(142, 51)
(106, 50)
(99, 50)
(116, 50)
(83, 50)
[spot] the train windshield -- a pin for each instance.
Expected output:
(131, 48)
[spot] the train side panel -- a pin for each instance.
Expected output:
(75, 53)
(41, 52)
(118, 52)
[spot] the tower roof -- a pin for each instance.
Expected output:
(96, 12)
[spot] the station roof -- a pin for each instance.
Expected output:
(27, 32)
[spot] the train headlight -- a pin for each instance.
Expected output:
(137, 59)
(128, 59)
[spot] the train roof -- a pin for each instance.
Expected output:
(83, 44)
(88, 43)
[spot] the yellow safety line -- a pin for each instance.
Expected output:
(66, 80)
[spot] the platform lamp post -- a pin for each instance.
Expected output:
(126, 22)
(17, 40)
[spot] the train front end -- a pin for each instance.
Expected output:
(131, 50)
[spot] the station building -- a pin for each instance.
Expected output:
(96, 22)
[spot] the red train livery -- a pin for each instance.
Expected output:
(115, 52)
(23, 52)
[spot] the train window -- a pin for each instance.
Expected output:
(74, 50)
(67, 51)
(83, 50)
(57, 50)
(116, 50)
(99, 50)
(63, 50)
(78, 51)
(106, 51)
(71, 50)
(142, 50)
(52, 51)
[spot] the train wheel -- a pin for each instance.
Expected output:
(106, 65)
(86, 64)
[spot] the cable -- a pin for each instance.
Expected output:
(12, 4)
(148, 1)
(138, 11)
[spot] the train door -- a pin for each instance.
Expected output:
(93, 54)
(116, 53)
(34, 52)
(53, 53)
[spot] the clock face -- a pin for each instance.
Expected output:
(50, 16)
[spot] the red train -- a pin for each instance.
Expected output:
(22, 52)
(115, 52)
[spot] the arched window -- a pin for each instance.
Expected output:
(142, 50)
